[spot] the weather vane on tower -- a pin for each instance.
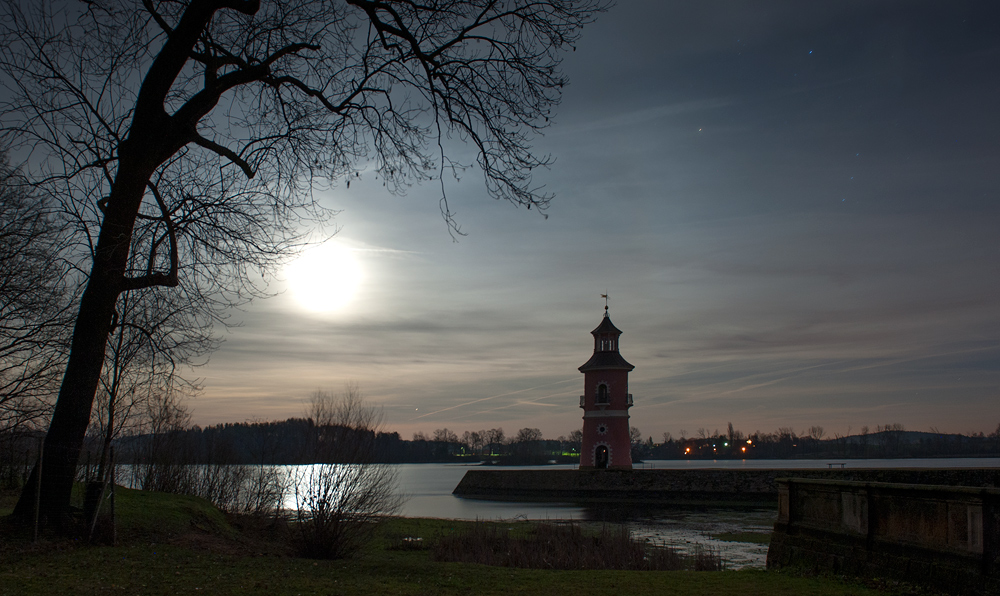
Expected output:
(605, 296)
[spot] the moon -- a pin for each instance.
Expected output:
(325, 278)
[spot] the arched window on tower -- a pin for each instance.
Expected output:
(603, 397)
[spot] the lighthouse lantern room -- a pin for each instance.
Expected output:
(605, 403)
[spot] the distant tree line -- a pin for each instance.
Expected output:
(167, 440)
(884, 441)
(304, 441)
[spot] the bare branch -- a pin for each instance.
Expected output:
(224, 152)
(132, 118)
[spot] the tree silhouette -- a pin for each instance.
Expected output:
(33, 305)
(190, 134)
(341, 501)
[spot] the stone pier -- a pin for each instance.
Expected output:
(942, 536)
(699, 487)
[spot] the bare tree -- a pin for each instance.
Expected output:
(33, 304)
(733, 434)
(347, 409)
(575, 439)
(526, 445)
(528, 435)
(338, 505)
(444, 435)
(161, 466)
(494, 440)
(33, 318)
(155, 334)
(474, 441)
(191, 134)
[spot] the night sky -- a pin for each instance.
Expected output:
(792, 205)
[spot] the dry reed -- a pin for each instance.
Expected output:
(565, 546)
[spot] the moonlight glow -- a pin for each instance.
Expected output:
(325, 278)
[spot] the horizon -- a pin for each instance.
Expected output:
(510, 434)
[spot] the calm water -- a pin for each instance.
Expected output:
(429, 487)
(428, 490)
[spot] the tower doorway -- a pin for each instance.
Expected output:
(601, 457)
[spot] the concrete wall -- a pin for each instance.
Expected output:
(677, 487)
(943, 536)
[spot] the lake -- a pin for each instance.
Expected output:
(429, 486)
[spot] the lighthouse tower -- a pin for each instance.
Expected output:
(605, 403)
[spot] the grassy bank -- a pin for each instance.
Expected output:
(172, 544)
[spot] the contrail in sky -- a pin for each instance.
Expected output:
(476, 401)
(522, 403)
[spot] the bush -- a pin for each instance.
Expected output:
(339, 505)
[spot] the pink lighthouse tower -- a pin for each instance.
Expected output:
(605, 403)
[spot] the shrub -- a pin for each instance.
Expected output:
(340, 503)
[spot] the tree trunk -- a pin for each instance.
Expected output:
(153, 137)
(71, 416)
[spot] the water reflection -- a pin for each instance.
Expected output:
(686, 529)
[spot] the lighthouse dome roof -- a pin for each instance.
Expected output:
(606, 327)
(606, 355)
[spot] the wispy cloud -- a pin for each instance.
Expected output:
(490, 398)
(823, 252)
(630, 119)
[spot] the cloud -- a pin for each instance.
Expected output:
(823, 251)
(620, 120)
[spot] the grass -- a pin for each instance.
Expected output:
(752, 537)
(151, 516)
(7, 501)
(167, 569)
(171, 544)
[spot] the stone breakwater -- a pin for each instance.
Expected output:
(688, 487)
(942, 536)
